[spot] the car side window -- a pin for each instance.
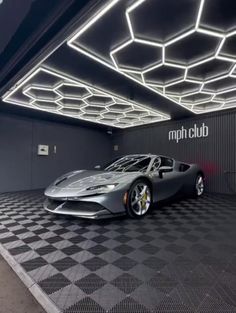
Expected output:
(167, 162)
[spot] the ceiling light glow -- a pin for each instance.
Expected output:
(90, 103)
(165, 89)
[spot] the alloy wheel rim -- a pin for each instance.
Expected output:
(200, 186)
(140, 199)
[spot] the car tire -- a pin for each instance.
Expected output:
(199, 186)
(139, 199)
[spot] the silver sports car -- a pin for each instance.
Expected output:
(127, 185)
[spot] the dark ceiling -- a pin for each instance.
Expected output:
(27, 26)
(38, 27)
(31, 26)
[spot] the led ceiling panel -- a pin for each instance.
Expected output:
(183, 50)
(46, 89)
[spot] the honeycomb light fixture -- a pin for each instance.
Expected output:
(66, 96)
(186, 87)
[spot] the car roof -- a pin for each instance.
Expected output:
(139, 155)
(145, 155)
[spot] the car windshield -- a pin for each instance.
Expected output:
(129, 164)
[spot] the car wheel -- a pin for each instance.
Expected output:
(139, 199)
(199, 186)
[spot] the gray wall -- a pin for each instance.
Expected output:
(82, 147)
(20, 166)
(216, 153)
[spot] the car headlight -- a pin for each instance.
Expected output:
(102, 188)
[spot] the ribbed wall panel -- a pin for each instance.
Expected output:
(216, 153)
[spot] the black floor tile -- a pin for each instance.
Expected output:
(179, 258)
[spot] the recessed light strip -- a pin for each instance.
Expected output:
(116, 112)
(127, 72)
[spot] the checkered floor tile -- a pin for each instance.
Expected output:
(179, 258)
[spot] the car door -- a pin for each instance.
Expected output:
(169, 184)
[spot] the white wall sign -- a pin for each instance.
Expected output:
(196, 131)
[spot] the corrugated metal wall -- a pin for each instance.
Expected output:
(215, 153)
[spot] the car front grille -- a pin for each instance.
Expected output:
(82, 205)
(52, 204)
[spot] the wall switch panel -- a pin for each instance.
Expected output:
(43, 150)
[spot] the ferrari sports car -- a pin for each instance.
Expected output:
(128, 185)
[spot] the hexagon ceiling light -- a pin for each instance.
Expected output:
(181, 49)
(47, 90)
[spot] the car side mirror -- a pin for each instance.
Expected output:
(97, 167)
(164, 169)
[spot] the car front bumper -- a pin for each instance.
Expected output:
(82, 209)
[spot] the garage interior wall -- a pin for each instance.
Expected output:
(20, 166)
(79, 147)
(215, 153)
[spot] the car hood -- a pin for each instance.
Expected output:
(85, 179)
(76, 183)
